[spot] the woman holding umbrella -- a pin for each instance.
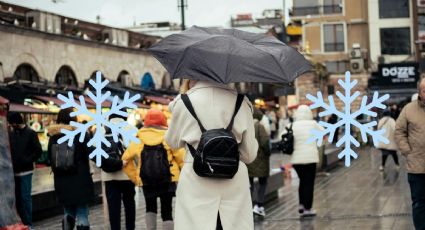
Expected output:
(211, 59)
(200, 199)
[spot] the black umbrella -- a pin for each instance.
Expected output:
(229, 55)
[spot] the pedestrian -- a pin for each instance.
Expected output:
(305, 158)
(388, 124)
(71, 173)
(266, 123)
(156, 167)
(201, 199)
(25, 150)
(118, 187)
(410, 136)
(395, 111)
(333, 119)
(260, 167)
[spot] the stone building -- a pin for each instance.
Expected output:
(45, 47)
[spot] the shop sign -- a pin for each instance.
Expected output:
(398, 73)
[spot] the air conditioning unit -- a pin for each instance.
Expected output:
(356, 51)
(356, 65)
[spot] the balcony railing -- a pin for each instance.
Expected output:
(317, 10)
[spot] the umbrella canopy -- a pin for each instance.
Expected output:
(229, 55)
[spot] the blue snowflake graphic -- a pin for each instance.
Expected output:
(99, 119)
(348, 118)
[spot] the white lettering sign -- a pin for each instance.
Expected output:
(399, 72)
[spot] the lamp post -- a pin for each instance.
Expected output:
(182, 4)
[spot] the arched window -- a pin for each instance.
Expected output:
(26, 72)
(123, 78)
(66, 77)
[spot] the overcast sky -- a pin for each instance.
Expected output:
(122, 13)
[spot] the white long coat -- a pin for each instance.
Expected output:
(198, 199)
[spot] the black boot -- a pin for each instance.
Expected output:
(81, 227)
(68, 223)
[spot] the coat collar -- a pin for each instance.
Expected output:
(207, 84)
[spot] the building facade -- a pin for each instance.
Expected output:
(43, 47)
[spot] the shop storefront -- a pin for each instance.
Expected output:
(397, 79)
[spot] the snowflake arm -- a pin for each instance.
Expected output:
(348, 119)
(99, 119)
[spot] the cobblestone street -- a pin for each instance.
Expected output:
(359, 197)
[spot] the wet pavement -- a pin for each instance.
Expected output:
(358, 197)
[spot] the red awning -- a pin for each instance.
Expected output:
(159, 100)
(47, 99)
(3, 100)
(27, 109)
(91, 103)
(143, 106)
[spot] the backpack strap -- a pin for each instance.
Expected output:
(189, 106)
(239, 101)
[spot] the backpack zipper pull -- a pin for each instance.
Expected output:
(211, 169)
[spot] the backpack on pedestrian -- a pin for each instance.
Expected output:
(63, 158)
(287, 143)
(217, 155)
(113, 163)
(155, 169)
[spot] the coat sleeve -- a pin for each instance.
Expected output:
(174, 132)
(130, 152)
(249, 145)
(36, 147)
(401, 133)
(178, 155)
(263, 139)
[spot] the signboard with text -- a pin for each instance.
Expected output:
(400, 74)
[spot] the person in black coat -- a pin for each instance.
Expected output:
(25, 150)
(74, 188)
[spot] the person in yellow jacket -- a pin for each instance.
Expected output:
(154, 166)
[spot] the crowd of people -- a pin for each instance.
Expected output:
(212, 191)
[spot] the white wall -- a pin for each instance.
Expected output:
(375, 24)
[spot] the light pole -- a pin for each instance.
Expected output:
(182, 4)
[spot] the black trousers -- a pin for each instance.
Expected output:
(417, 190)
(385, 154)
(307, 175)
(115, 192)
(166, 205)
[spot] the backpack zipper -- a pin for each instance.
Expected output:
(211, 169)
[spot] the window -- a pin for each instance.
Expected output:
(333, 36)
(332, 6)
(393, 8)
(306, 7)
(26, 72)
(66, 77)
(395, 41)
(336, 66)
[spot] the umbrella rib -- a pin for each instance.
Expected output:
(280, 67)
(185, 50)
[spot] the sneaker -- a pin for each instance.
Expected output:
(300, 209)
(259, 210)
(309, 212)
(381, 168)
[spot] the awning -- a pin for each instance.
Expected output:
(143, 106)
(91, 104)
(47, 99)
(159, 100)
(3, 100)
(27, 109)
